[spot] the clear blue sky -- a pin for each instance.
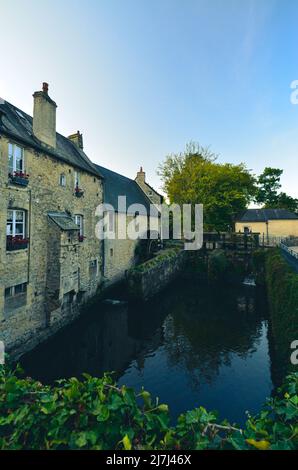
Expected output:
(140, 78)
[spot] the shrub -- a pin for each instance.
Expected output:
(95, 414)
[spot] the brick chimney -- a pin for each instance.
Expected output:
(44, 117)
(140, 178)
(77, 139)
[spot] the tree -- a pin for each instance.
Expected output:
(268, 186)
(267, 192)
(195, 177)
(285, 201)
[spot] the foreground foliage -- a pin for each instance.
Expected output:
(95, 414)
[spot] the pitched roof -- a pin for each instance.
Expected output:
(154, 190)
(63, 220)
(118, 185)
(19, 125)
(263, 215)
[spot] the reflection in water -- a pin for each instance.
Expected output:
(193, 345)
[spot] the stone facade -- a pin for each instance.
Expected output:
(121, 254)
(51, 259)
(51, 271)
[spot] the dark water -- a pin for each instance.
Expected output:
(193, 345)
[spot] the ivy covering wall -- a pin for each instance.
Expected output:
(282, 288)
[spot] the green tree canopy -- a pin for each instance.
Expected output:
(195, 177)
(268, 191)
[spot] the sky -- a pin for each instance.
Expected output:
(141, 78)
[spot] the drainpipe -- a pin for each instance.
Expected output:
(30, 228)
(267, 231)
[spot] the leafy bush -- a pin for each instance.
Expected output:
(96, 414)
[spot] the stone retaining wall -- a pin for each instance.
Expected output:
(149, 278)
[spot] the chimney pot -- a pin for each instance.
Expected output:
(140, 178)
(45, 87)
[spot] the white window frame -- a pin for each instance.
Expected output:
(11, 152)
(76, 179)
(62, 180)
(79, 221)
(14, 222)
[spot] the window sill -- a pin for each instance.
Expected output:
(19, 250)
(20, 182)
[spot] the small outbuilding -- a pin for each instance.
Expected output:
(272, 224)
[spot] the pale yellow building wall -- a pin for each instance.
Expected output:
(276, 228)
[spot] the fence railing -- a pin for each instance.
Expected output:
(289, 250)
(290, 241)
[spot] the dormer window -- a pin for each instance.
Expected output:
(16, 162)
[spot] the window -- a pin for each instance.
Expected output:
(15, 297)
(93, 269)
(246, 230)
(111, 252)
(136, 220)
(76, 179)
(62, 180)
(111, 221)
(79, 222)
(15, 159)
(15, 225)
(15, 290)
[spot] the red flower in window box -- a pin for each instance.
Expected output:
(16, 243)
(19, 177)
(78, 191)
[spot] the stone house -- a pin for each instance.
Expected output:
(50, 258)
(150, 192)
(272, 224)
(121, 253)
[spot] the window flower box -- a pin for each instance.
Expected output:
(20, 178)
(16, 243)
(78, 192)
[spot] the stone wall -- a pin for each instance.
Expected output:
(151, 277)
(54, 263)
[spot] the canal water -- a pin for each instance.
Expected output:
(192, 345)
